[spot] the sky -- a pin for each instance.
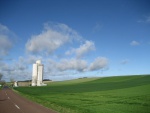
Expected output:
(74, 38)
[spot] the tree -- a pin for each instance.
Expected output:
(2, 82)
(1, 75)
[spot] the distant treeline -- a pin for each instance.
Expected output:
(31, 80)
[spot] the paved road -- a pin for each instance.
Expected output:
(10, 102)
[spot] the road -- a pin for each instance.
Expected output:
(11, 102)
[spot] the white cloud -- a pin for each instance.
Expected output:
(72, 64)
(99, 63)
(97, 27)
(83, 49)
(6, 70)
(21, 69)
(52, 37)
(145, 20)
(18, 69)
(6, 67)
(21, 64)
(3, 29)
(134, 43)
(148, 19)
(125, 61)
(30, 59)
(5, 42)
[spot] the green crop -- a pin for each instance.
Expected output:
(122, 94)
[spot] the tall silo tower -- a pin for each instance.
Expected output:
(37, 75)
(40, 75)
(34, 74)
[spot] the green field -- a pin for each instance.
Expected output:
(124, 94)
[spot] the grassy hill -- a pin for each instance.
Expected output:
(124, 94)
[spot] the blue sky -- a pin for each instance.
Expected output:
(74, 38)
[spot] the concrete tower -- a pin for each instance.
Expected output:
(37, 74)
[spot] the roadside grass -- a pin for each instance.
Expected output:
(124, 94)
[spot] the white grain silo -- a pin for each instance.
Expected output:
(34, 74)
(37, 74)
(40, 75)
(38, 62)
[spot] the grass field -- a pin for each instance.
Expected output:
(124, 94)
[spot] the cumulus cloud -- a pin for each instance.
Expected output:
(134, 43)
(21, 69)
(18, 69)
(5, 42)
(83, 49)
(21, 64)
(5, 67)
(75, 65)
(30, 59)
(52, 37)
(72, 64)
(99, 63)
